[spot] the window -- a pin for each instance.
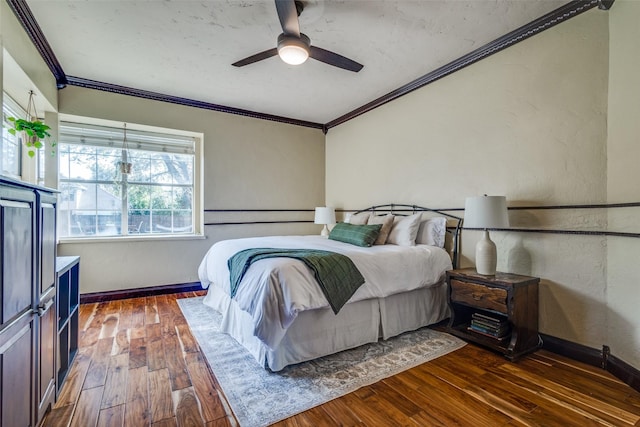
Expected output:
(156, 197)
(11, 144)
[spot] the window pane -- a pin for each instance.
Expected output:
(11, 144)
(142, 170)
(107, 163)
(158, 191)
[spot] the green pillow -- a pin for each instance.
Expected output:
(360, 235)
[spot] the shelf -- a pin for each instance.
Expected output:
(461, 331)
(68, 282)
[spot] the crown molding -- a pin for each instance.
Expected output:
(31, 27)
(139, 93)
(545, 22)
(563, 13)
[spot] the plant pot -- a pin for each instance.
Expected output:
(125, 167)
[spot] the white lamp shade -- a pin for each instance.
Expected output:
(486, 212)
(325, 215)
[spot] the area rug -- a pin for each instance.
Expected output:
(259, 397)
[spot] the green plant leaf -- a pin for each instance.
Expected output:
(31, 153)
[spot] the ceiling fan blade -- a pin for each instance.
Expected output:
(334, 59)
(288, 15)
(257, 57)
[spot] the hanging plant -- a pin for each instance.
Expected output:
(34, 131)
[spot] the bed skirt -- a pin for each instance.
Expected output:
(320, 332)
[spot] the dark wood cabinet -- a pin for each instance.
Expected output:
(46, 309)
(499, 312)
(28, 314)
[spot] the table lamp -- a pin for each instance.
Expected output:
(325, 216)
(486, 212)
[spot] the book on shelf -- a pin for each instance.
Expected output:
(497, 320)
(495, 337)
(498, 330)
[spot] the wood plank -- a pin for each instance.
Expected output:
(59, 416)
(89, 337)
(151, 311)
(164, 308)
(97, 373)
(155, 347)
(111, 319)
(137, 413)
(121, 343)
(578, 401)
(138, 313)
(86, 412)
(174, 360)
(137, 353)
(459, 402)
(111, 417)
(160, 395)
(87, 313)
(115, 388)
(411, 383)
(75, 378)
(140, 332)
(187, 341)
(186, 408)
(222, 422)
(340, 413)
(168, 422)
(205, 390)
(126, 315)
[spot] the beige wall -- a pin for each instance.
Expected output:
(623, 290)
(530, 123)
(36, 76)
(248, 164)
(24, 70)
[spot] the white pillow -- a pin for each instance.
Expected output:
(387, 223)
(404, 230)
(357, 219)
(432, 232)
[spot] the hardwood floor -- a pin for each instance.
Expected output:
(138, 365)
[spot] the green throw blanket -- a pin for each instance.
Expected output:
(336, 274)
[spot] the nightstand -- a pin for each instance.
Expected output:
(499, 312)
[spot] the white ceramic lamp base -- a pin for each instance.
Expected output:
(486, 256)
(325, 231)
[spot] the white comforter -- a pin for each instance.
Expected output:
(273, 291)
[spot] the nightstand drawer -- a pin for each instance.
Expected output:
(479, 296)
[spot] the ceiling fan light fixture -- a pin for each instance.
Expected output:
(293, 50)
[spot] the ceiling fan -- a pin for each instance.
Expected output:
(295, 47)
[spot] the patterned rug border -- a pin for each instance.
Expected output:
(248, 387)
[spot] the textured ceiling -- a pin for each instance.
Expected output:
(185, 48)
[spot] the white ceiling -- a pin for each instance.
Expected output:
(185, 48)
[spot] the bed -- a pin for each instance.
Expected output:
(280, 315)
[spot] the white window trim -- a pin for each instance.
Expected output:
(198, 189)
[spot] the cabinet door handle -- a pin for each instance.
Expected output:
(43, 307)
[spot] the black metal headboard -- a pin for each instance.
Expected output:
(400, 209)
